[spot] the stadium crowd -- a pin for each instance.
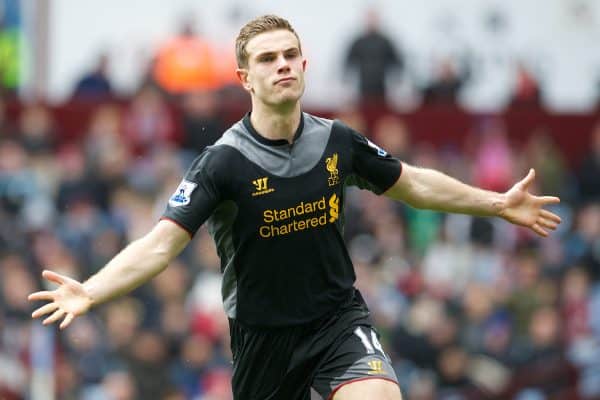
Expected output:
(467, 308)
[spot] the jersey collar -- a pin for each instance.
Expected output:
(272, 142)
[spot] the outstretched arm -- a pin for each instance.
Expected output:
(430, 189)
(137, 263)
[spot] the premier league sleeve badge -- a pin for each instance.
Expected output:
(182, 195)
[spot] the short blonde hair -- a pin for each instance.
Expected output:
(255, 27)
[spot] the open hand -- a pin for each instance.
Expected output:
(523, 208)
(69, 300)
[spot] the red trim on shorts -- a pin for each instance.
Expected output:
(356, 380)
(178, 224)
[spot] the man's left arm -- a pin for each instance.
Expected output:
(430, 189)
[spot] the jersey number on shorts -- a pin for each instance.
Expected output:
(370, 345)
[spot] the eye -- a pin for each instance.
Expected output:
(266, 58)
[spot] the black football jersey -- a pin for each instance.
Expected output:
(275, 211)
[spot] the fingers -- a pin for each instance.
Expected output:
(43, 295)
(550, 216)
(545, 223)
(46, 309)
(549, 199)
(528, 179)
(539, 230)
(54, 277)
(58, 314)
(67, 321)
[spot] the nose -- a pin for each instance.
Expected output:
(282, 64)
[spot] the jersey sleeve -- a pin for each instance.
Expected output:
(198, 194)
(373, 168)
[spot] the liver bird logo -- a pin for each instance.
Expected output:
(331, 164)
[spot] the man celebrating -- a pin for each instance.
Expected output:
(272, 190)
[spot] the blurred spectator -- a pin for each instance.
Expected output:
(148, 123)
(526, 90)
(80, 228)
(498, 341)
(589, 171)
(122, 319)
(16, 280)
(95, 84)
(107, 241)
(36, 130)
(581, 245)
(37, 133)
(446, 84)
(116, 385)
(148, 365)
(217, 383)
(78, 182)
(543, 154)
(14, 175)
(526, 296)
(6, 127)
(106, 150)
(13, 381)
(67, 379)
(418, 339)
(47, 249)
(494, 160)
(187, 62)
(167, 285)
(454, 381)
(193, 362)
(486, 259)
(422, 387)
(87, 348)
(374, 56)
(575, 307)
(21, 196)
(152, 172)
(540, 355)
(391, 133)
(174, 323)
(479, 314)
(445, 266)
(202, 125)
(134, 209)
(354, 118)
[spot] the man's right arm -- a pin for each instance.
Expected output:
(193, 202)
(136, 264)
(139, 262)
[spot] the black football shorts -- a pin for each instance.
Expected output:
(288, 363)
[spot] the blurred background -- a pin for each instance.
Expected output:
(104, 104)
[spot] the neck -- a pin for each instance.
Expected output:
(276, 122)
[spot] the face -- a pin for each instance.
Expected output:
(275, 71)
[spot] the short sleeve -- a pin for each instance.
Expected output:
(373, 168)
(197, 195)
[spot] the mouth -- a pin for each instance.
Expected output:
(284, 80)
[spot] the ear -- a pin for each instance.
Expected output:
(304, 65)
(242, 75)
